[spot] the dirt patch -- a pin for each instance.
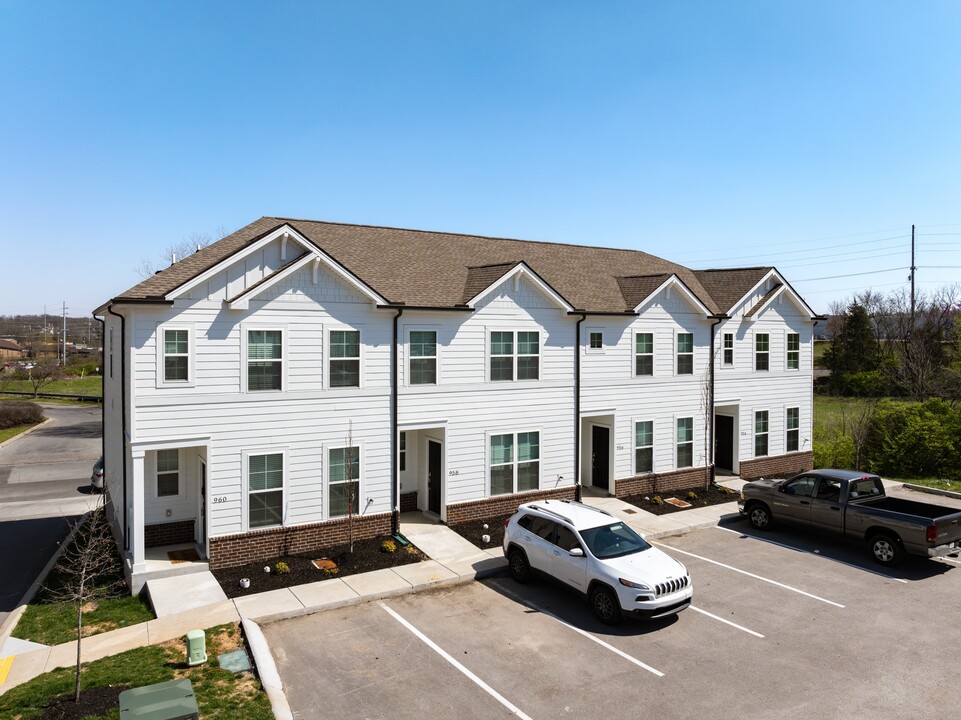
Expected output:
(368, 555)
(476, 530)
(93, 703)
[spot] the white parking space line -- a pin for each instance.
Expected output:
(745, 572)
(951, 560)
(726, 622)
(586, 634)
(810, 552)
(480, 683)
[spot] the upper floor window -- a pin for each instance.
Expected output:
(760, 433)
(344, 368)
(264, 359)
(423, 357)
(514, 355)
(793, 351)
(176, 355)
(344, 470)
(644, 354)
(168, 473)
(685, 442)
(728, 358)
(793, 429)
(762, 351)
(643, 447)
(265, 490)
(685, 353)
(514, 462)
(595, 340)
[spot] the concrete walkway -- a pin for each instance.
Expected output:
(191, 602)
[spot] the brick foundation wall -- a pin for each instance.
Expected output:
(777, 465)
(172, 533)
(501, 505)
(232, 550)
(660, 483)
(408, 501)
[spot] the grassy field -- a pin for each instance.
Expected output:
(90, 385)
(220, 694)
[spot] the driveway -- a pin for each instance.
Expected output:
(780, 627)
(44, 486)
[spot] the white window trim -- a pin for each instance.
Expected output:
(677, 442)
(733, 338)
(787, 352)
(515, 433)
(634, 353)
(408, 329)
(284, 356)
(514, 330)
(755, 433)
(327, 357)
(191, 380)
(245, 486)
(788, 429)
(634, 422)
(677, 354)
(361, 501)
(587, 341)
(755, 352)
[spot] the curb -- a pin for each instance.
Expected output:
(267, 669)
(932, 491)
(25, 432)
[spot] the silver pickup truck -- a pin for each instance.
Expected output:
(853, 504)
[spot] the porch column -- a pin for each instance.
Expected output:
(137, 485)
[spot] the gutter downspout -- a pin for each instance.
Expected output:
(577, 407)
(709, 451)
(395, 471)
(123, 421)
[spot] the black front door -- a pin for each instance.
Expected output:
(724, 442)
(600, 456)
(433, 476)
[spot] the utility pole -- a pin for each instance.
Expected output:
(64, 363)
(913, 271)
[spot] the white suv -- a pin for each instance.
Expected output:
(597, 554)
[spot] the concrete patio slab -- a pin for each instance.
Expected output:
(173, 595)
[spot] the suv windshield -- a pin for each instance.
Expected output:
(612, 541)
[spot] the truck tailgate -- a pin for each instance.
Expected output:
(949, 528)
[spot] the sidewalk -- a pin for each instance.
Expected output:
(453, 560)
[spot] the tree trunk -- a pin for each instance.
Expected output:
(76, 689)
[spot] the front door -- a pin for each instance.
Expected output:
(202, 540)
(434, 478)
(724, 442)
(600, 456)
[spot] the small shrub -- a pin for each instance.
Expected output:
(691, 495)
(14, 414)
(282, 568)
(658, 500)
(388, 546)
(331, 571)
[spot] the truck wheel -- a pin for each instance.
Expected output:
(519, 568)
(885, 550)
(605, 606)
(759, 516)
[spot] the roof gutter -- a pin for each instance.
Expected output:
(123, 421)
(402, 307)
(577, 404)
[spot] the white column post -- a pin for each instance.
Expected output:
(137, 486)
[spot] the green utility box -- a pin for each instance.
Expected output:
(173, 700)
(196, 647)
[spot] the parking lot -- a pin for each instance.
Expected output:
(782, 626)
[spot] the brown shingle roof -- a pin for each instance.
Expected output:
(760, 303)
(636, 290)
(436, 269)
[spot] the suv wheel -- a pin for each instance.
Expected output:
(519, 568)
(605, 606)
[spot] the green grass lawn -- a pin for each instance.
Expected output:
(56, 623)
(13, 432)
(90, 385)
(220, 694)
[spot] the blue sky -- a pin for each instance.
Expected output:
(806, 135)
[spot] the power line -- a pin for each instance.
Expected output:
(807, 250)
(834, 277)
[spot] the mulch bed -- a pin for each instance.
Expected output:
(476, 529)
(368, 555)
(93, 703)
(715, 495)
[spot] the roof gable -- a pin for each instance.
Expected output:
(639, 291)
(496, 275)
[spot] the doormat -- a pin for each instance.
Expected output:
(676, 502)
(182, 556)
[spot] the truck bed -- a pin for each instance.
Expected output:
(908, 507)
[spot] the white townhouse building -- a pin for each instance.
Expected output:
(296, 372)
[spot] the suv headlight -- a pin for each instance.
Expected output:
(632, 584)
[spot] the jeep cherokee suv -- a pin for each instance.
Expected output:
(598, 555)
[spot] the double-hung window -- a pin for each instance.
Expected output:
(685, 353)
(176, 356)
(728, 358)
(685, 442)
(344, 370)
(402, 452)
(793, 429)
(762, 351)
(644, 353)
(265, 490)
(423, 357)
(793, 351)
(514, 355)
(168, 473)
(760, 433)
(643, 447)
(344, 470)
(595, 341)
(264, 360)
(514, 462)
